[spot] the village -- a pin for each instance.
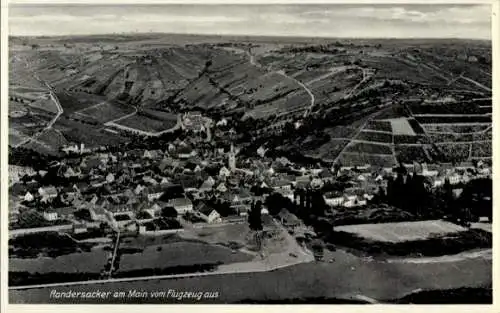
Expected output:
(202, 183)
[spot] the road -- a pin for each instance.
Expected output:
(115, 250)
(366, 77)
(348, 276)
(282, 73)
(112, 122)
(138, 131)
(60, 110)
(333, 71)
(309, 92)
(476, 83)
(360, 129)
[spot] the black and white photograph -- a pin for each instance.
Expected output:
(167, 153)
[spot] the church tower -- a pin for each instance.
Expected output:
(232, 159)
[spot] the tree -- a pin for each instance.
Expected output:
(168, 212)
(83, 214)
(318, 250)
(143, 215)
(255, 216)
(275, 202)
(318, 204)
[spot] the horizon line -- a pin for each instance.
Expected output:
(242, 35)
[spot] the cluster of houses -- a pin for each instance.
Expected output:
(195, 180)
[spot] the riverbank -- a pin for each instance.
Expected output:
(348, 276)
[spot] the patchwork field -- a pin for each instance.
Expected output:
(179, 254)
(401, 126)
(85, 262)
(145, 123)
(104, 112)
(325, 83)
(401, 231)
(461, 130)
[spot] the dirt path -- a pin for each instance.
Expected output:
(52, 122)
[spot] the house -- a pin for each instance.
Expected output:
(241, 209)
(154, 192)
(14, 213)
(28, 197)
(270, 171)
(261, 151)
(243, 196)
(47, 193)
(181, 205)
(454, 178)
(209, 214)
(81, 187)
(119, 209)
(354, 201)
(110, 178)
(224, 172)
(207, 185)
(214, 217)
(65, 213)
(438, 181)
(70, 172)
(97, 213)
(288, 219)
(222, 122)
(103, 203)
(138, 190)
(221, 188)
(334, 198)
(326, 175)
(282, 185)
(185, 152)
(429, 171)
(50, 215)
(151, 154)
(164, 181)
(149, 180)
(316, 183)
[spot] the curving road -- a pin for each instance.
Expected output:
(60, 110)
(282, 73)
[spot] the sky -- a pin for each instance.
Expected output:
(319, 20)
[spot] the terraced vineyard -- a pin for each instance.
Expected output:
(264, 86)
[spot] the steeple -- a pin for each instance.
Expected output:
(232, 159)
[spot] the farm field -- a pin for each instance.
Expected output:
(361, 159)
(75, 101)
(77, 132)
(201, 94)
(379, 125)
(401, 231)
(458, 129)
(179, 254)
(381, 137)
(368, 148)
(409, 154)
(481, 150)
(453, 119)
(450, 108)
(29, 124)
(47, 105)
(92, 262)
(105, 111)
(401, 126)
(146, 123)
(330, 150)
(224, 234)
